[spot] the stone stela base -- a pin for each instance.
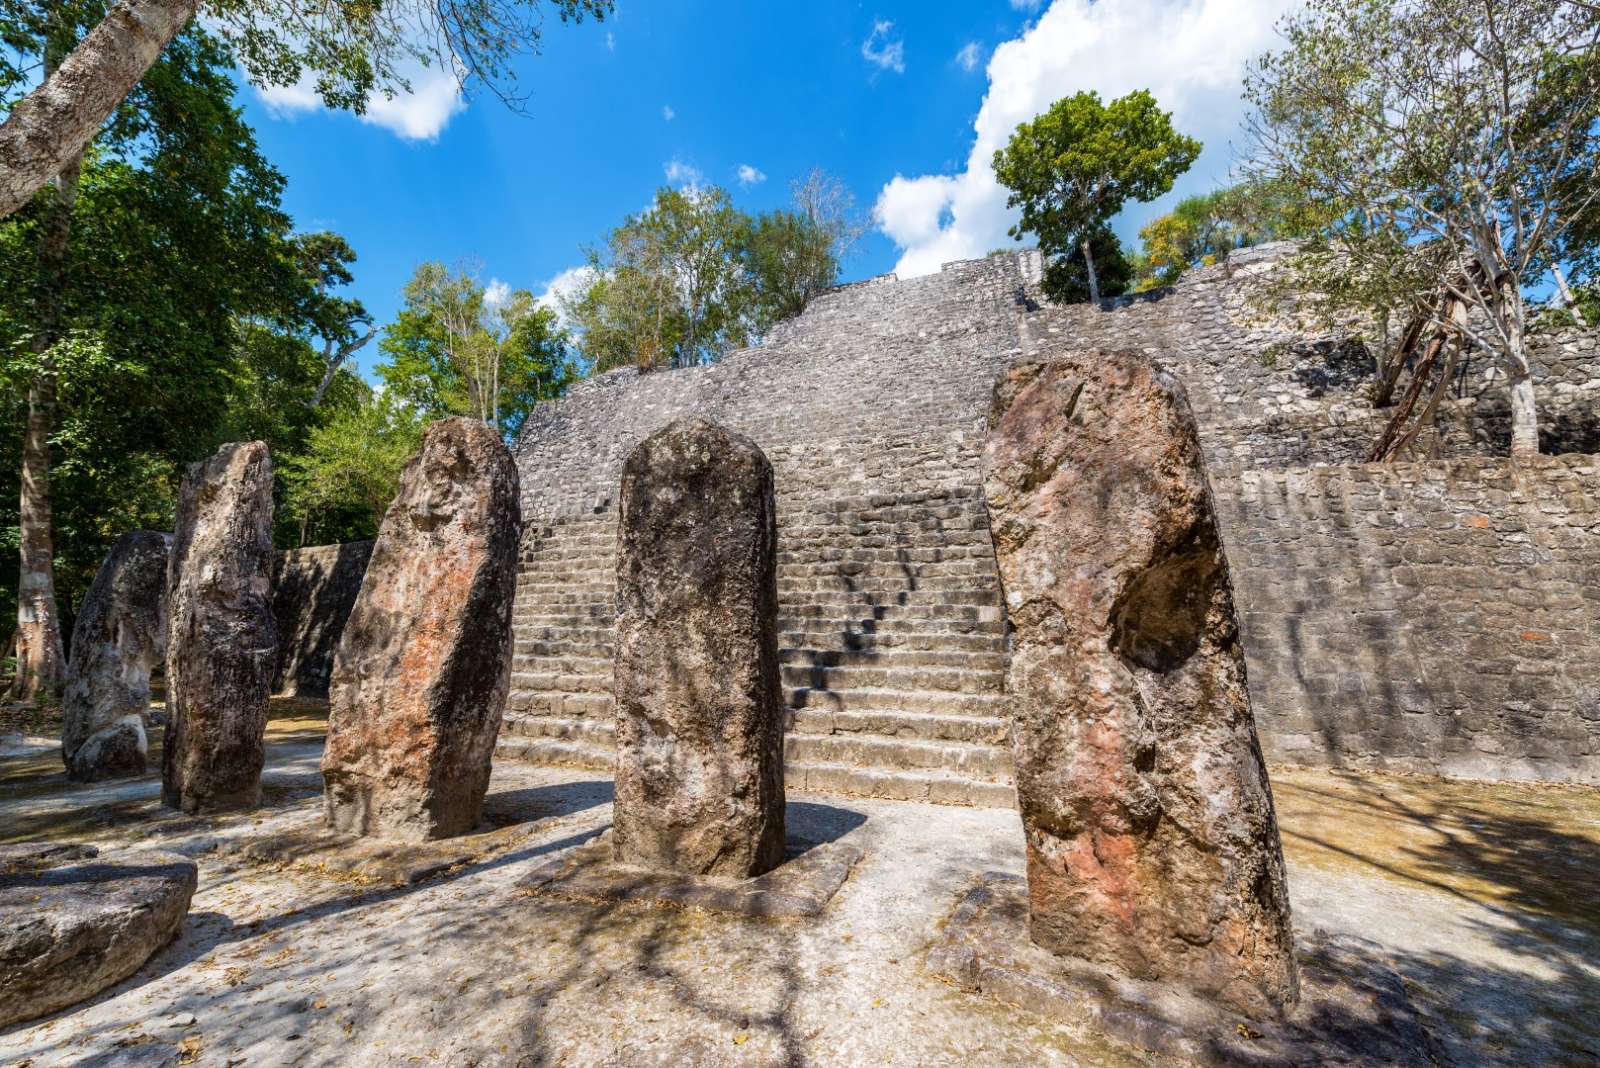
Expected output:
(799, 887)
(375, 860)
(1353, 1008)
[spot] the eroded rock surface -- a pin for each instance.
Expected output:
(424, 663)
(699, 779)
(119, 636)
(73, 923)
(222, 643)
(1151, 839)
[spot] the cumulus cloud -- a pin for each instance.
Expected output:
(496, 293)
(749, 175)
(681, 173)
(882, 49)
(970, 56)
(563, 286)
(1027, 5)
(667, 112)
(1103, 45)
(420, 114)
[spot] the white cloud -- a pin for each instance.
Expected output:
(496, 293)
(1084, 44)
(611, 41)
(567, 284)
(681, 173)
(970, 56)
(667, 112)
(420, 114)
(1027, 5)
(749, 175)
(882, 51)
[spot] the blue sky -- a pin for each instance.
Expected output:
(903, 101)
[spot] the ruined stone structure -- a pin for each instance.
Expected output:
(1152, 845)
(117, 640)
(699, 774)
(871, 408)
(313, 590)
(221, 640)
(420, 677)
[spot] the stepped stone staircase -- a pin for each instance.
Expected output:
(891, 637)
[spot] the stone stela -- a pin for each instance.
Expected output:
(699, 774)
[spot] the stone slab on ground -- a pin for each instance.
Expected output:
(801, 886)
(73, 923)
(1354, 1009)
(372, 860)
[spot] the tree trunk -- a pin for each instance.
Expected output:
(41, 663)
(1567, 299)
(51, 126)
(1524, 413)
(333, 357)
(1094, 281)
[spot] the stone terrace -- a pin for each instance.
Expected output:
(871, 407)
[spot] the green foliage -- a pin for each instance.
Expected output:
(184, 311)
(454, 351)
(1072, 169)
(1204, 229)
(1066, 278)
(693, 277)
(338, 488)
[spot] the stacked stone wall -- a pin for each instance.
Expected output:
(1441, 617)
(313, 591)
(871, 407)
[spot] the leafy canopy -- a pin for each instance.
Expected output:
(1072, 169)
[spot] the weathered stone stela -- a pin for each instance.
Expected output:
(1151, 840)
(222, 644)
(699, 776)
(119, 635)
(421, 673)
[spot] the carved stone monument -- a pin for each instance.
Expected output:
(424, 663)
(117, 639)
(699, 777)
(222, 644)
(1151, 840)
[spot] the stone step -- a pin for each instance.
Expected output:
(981, 763)
(894, 657)
(586, 704)
(911, 679)
(556, 752)
(586, 650)
(524, 661)
(812, 610)
(985, 594)
(887, 641)
(941, 788)
(945, 703)
(982, 730)
(550, 682)
(889, 625)
(565, 619)
(944, 788)
(598, 731)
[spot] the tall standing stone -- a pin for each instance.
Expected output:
(222, 644)
(424, 663)
(1151, 840)
(699, 780)
(117, 639)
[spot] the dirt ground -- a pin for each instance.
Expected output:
(1483, 897)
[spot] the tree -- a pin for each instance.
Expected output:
(341, 324)
(455, 349)
(671, 285)
(794, 255)
(1203, 229)
(134, 334)
(1073, 168)
(1451, 144)
(1066, 278)
(349, 50)
(344, 480)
